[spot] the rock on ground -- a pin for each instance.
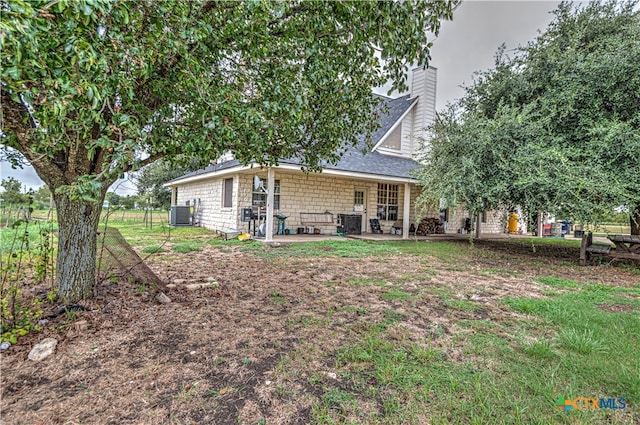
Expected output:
(43, 350)
(162, 298)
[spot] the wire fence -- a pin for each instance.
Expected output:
(116, 258)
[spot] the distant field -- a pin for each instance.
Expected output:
(134, 221)
(605, 229)
(116, 215)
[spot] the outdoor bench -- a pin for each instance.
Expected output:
(626, 247)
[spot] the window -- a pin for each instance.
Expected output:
(484, 217)
(259, 197)
(387, 202)
(227, 193)
(394, 140)
(444, 215)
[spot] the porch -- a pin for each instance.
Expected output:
(322, 201)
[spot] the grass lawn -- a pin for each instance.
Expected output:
(609, 229)
(350, 332)
(579, 340)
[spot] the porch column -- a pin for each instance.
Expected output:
(406, 211)
(540, 224)
(270, 188)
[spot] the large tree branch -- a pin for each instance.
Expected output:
(149, 160)
(174, 62)
(16, 122)
(14, 118)
(107, 176)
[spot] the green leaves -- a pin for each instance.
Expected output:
(86, 189)
(292, 80)
(555, 128)
(89, 87)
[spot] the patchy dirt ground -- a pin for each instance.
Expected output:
(244, 345)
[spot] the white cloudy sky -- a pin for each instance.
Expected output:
(469, 42)
(465, 45)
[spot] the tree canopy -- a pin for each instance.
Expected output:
(12, 193)
(92, 88)
(150, 179)
(555, 127)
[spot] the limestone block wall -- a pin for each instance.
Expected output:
(493, 223)
(211, 213)
(457, 217)
(319, 193)
(299, 193)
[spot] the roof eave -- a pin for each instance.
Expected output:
(207, 175)
(291, 167)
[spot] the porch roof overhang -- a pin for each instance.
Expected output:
(239, 168)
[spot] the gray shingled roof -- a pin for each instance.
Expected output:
(376, 162)
(354, 160)
(396, 108)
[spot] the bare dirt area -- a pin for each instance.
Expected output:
(249, 340)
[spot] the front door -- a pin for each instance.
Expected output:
(360, 205)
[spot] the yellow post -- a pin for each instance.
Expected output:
(513, 222)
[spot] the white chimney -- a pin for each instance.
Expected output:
(423, 85)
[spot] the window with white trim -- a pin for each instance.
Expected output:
(227, 193)
(394, 141)
(387, 202)
(259, 196)
(444, 211)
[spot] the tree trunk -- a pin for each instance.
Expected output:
(76, 264)
(635, 221)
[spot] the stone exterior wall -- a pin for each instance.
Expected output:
(493, 223)
(210, 212)
(299, 193)
(310, 193)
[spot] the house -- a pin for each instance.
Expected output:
(378, 184)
